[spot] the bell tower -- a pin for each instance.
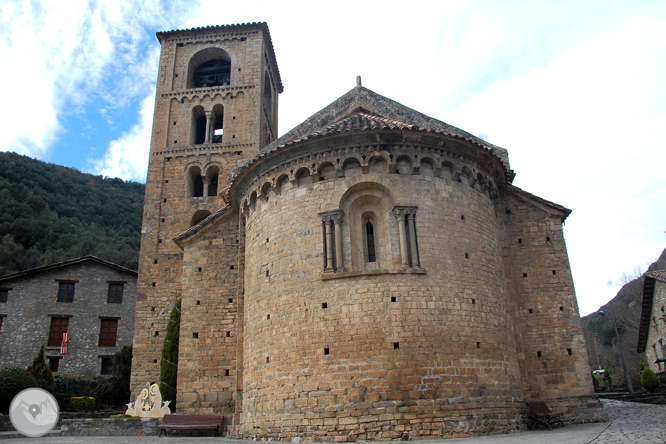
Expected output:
(216, 106)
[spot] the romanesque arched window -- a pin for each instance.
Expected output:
(371, 255)
(195, 184)
(198, 131)
(212, 176)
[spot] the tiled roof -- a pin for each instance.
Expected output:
(364, 110)
(78, 260)
(361, 122)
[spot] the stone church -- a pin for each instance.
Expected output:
(371, 274)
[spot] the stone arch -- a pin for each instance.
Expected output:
(265, 188)
(403, 164)
(363, 202)
(253, 201)
(195, 184)
(326, 171)
(198, 126)
(302, 176)
(466, 175)
(378, 163)
(447, 170)
(198, 216)
(209, 67)
(281, 183)
(351, 166)
(427, 166)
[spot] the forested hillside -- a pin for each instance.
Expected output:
(50, 213)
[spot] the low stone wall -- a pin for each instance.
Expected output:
(110, 427)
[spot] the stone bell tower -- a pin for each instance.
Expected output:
(216, 106)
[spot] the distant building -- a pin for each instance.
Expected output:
(652, 331)
(88, 298)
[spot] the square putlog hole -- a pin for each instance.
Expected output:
(396, 345)
(326, 351)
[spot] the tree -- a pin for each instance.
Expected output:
(120, 379)
(169, 363)
(42, 372)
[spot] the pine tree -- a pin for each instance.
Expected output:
(169, 364)
(42, 372)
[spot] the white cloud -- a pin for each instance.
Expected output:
(587, 132)
(127, 156)
(64, 54)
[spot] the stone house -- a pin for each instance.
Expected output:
(371, 274)
(90, 299)
(652, 330)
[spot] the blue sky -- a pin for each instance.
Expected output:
(574, 90)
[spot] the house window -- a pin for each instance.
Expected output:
(4, 294)
(370, 241)
(66, 291)
(108, 333)
(2, 317)
(107, 365)
(59, 326)
(115, 293)
(54, 363)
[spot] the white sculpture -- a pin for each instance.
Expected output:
(149, 404)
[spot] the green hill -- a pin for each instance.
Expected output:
(50, 213)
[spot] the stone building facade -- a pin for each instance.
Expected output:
(371, 274)
(652, 330)
(89, 298)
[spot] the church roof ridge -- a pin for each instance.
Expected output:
(371, 111)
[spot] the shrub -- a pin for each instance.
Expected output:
(42, 372)
(12, 381)
(82, 404)
(649, 380)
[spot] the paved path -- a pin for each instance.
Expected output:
(630, 423)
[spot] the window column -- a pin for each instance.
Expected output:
(208, 129)
(412, 237)
(400, 215)
(407, 231)
(337, 221)
(333, 240)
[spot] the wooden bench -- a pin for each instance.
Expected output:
(191, 422)
(540, 414)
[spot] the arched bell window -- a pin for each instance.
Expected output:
(215, 72)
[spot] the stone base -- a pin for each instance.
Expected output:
(110, 427)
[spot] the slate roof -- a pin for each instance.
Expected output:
(163, 35)
(79, 260)
(364, 110)
(659, 275)
(646, 309)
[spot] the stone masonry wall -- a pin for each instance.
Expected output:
(209, 330)
(551, 344)
(33, 299)
(168, 208)
(426, 351)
